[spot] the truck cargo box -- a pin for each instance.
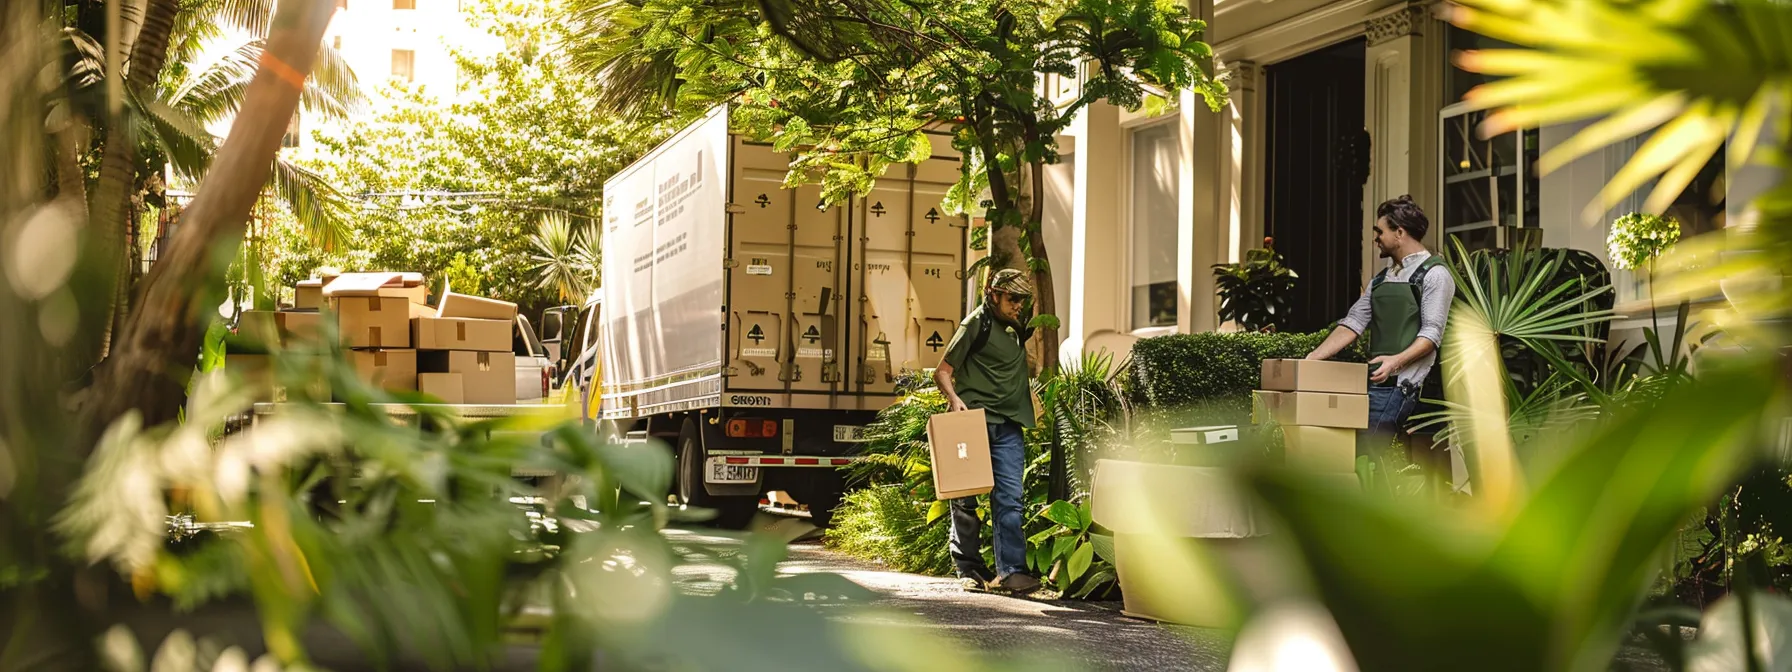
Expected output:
(722, 288)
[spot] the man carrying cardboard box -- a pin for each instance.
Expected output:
(985, 367)
(1404, 311)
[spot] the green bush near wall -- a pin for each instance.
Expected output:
(1207, 378)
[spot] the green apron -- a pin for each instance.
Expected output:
(1394, 311)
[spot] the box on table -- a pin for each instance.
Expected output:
(373, 321)
(1302, 375)
(280, 327)
(477, 307)
(460, 333)
(486, 377)
(308, 294)
(448, 387)
(1322, 449)
(959, 445)
(393, 370)
(1212, 446)
(1317, 409)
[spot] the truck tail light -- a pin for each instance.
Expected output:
(751, 428)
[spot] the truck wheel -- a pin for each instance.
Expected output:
(732, 513)
(821, 490)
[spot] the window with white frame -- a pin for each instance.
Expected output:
(1153, 225)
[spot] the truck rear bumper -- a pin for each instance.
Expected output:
(786, 461)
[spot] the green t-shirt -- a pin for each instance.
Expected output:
(996, 379)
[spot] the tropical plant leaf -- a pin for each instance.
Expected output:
(1079, 563)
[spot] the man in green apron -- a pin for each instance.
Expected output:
(1404, 311)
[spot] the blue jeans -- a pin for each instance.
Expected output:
(1389, 408)
(1007, 458)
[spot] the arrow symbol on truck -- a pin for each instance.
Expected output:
(878, 209)
(935, 341)
(756, 335)
(812, 335)
(933, 215)
(763, 201)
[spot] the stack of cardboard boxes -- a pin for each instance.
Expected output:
(464, 350)
(260, 332)
(373, 314)
(459, 352)
(1320, 406)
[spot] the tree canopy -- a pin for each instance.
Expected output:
(849, 87)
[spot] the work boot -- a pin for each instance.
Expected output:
(976, 581)
(1017, 583)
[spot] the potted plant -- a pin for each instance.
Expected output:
(1254, 293)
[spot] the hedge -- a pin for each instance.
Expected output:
(1211, 375)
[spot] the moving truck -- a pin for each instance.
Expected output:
(755, 331)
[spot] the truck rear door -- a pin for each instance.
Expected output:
(908, 261)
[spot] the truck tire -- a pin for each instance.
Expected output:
(822, 492)
(733, 513)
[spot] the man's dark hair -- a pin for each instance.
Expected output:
(1405, 214)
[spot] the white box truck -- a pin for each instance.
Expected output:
(756, 332)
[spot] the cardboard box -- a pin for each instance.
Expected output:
(418, 295)
(280, 328)
(422, 310)
(373, 321)
(394, 370)
(1214, 446)
(959, 444)
(1315, 409)
(1322, 449)
(448, 387)
(461, 305)
(1205, 435)
(459, 333)
(486, 377)
(1300, 375)
(308, 295)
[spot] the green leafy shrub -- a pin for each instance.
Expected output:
(1207, 378)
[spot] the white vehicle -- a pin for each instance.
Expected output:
(754, 332)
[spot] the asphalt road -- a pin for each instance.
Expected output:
(1079, 634)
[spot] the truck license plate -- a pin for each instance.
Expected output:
(722, 472)
(849, 434)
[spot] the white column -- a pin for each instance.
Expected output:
(1096, 250)
(1403, 93)
(1244, 162)
(1203, 205)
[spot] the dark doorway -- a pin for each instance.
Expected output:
(1317, 166)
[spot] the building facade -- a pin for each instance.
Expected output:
(1334, 107)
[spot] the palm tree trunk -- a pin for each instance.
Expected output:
(153, 357)
(118, 179)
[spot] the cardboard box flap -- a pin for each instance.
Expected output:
(1171, 500)
(462, 305)
(362, 284)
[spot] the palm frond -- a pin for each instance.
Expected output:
(213, 90)
(333, 90)
(250, 16)
(637, 83)
(563, 258)
(1699, 73)
(314, 202)
(182, 138)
